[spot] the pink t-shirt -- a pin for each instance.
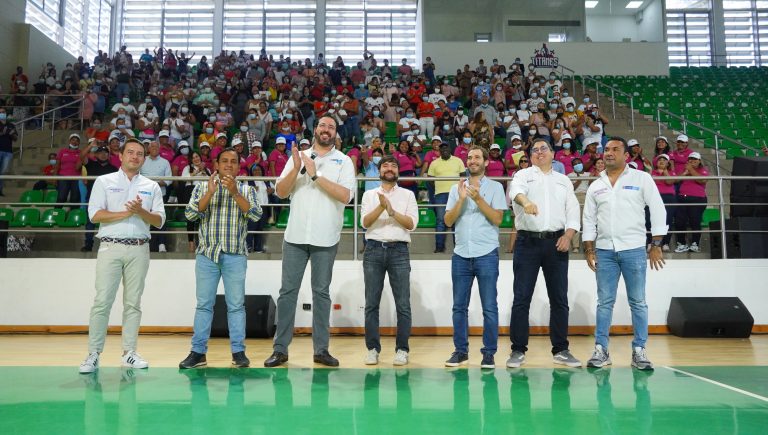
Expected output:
(114, 160)
(404, 161)
(430, 157)
(664, 188)
(680, 157)
(462, 153)
(567, 159)
(280, 160)
(68, 159)
(638, 161)
(167, 153)
(215, 151)
(355, 152)
(495, 168)
(180, 162)
(691, 187)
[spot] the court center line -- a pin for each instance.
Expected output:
(719, 384)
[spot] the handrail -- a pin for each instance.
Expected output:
(563, 68)
(41, 116)
(614, 91)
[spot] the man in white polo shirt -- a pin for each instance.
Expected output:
(320, 182)
(125, 203)
(389, 215)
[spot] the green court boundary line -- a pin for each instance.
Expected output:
(719, 384)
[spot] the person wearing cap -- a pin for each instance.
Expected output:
(661, 146)
(318, 195)
(181, 159)
(68, 163)
(446, 166)
(94, 168)
(304, 144)
(195, 168)
(614, 246)
(663, 168)
(256, 156)
(389, 214)
(692, 198)
(495, 166)
(219, 145)
(224, 206)
(567, 153)
(590, 153)
(546, 217)
(476, 205)
(680, 155)
(166, 147)
(125, 204)
(208, 134)
(636, 156)
(157, 166)
(205, 154)
(580, 187)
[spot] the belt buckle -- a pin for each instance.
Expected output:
(386, 245)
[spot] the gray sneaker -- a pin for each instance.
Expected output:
(600, 357)
(516, 359)
(565, 358)
(640, 359)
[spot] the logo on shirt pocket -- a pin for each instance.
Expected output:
(631, 187)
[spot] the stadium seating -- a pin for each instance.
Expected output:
(76, 218)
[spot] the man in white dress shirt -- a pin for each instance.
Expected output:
(389, 215)
(125, 203)
(546, 218)
(614, 244)
(320, 182)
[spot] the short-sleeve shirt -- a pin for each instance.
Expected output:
(279, 159)
(475, 234)
(453, 167)
(68, 159)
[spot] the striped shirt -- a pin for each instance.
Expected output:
(223, 226)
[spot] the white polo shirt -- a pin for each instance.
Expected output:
(316, 218)
(112, 191)
(614, 216)
(553, 195)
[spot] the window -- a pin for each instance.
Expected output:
(188, 27)
(73, 27)
(99, 22)
(79, 26)
(344, 31)
(483, 37)
(243, 26)
(740, 32)
(142, 25)
(689, 39)
(42, 20)
(557, 37)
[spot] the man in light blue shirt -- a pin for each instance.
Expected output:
(476, 206)
(156, 166)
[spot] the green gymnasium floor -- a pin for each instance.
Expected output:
(679, 400)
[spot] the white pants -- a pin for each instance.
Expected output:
(427, 126)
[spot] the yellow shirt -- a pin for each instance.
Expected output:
(453, 167)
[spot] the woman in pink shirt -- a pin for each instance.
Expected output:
(354, 154)
(408, 162)
(667, 190)
(69, 162)
(693, 192)
(567, 154)
(495, 163)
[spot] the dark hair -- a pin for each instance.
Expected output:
(662, 151)
(131, 140)
(335, 123)
(388, 159)
(377, 150)
(620, 139)
(227, 150)
(541, 140)
(483, 151)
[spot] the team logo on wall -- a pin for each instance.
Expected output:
(544, 58)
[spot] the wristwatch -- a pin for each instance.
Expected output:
(317, 174)
(656, 243)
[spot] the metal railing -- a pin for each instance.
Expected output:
(53, 117)
(614, 91)
(562, 69)
(708, 60)
(355, 205)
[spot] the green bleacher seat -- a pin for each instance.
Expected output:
(176, 218)
(508, 221)
(31, 197)
(349, 218)
(282, 220)
(427, 218)
(76, 218)
(51, 196)
(25, 217)
(51, 218)
(710, 215)
(6, 214)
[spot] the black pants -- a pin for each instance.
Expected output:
(255, 242)
(689, 216)
(69, 191)
(532, 254)
(669, 203)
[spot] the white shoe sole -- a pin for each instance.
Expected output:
(371, 363)
(515, 365)
(487, 366)
(135, 366)
(567, 364)
(87, 371)
(593, 365)
(463, 363)
(399, 363)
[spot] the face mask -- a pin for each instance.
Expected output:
(424, 98)
(185, 109)
(212, 118)
(251, 116)
(551, 77)
(523, 106)
(376, 160)
(376, 113)
(207, 89)
(243, 128)
(361, 85)
(460, 112)
(222, 109)
(578, 167)
(446, 127)
(126, 100)
(534, 95)
(333, 91)
(146, 100)
(73, 146)
(58, 86)
(325, 99)
(566, 145)
(120, 126)
(3, 116)
(565, 94)
(569, 108)
(209, 130)
(343, 82)
(289, 116)
(409, 115)
(532, 132)
(286, 128)
(467, 140)
(184, 151)
(553, 106)
(586, 99)
(445, 82)
(52, 162)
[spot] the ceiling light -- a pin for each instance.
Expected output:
(590, 4)
(634, 4)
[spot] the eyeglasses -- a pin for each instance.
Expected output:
(540, 150)
(523, 161)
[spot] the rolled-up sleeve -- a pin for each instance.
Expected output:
(655, 205)
(519, 185)
(192, 212)
(347, 177)
(98, 200)
(589, 219)
(366, 205)
(254, 209)
(412, 210)
(158, 206)
(572, 216)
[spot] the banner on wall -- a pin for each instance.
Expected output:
(544, 58)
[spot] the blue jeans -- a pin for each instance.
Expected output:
(631, 264)
(463, 273)
(440, 198)
(394, 260)
(5, 164)
(231, 268)
(122, 90)
(532, 254)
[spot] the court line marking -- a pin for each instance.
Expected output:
(719, 384)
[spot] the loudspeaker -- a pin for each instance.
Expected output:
(709, 317)
(740, 243)
(259, 317)
(749, 191)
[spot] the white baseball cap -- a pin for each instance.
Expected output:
(516, 136)
(204, 144)
(591, 140)
(437, 138)
(632, 165)
(163, 133)
(694, 155)
(562, 136)
(182, 143)
(633, 142)
(495, 146)
(663, 156)
(236, 141)
(304, 141)
(256, 144)
(664, 138)
(220, 135)
(682, 138)
(74, 135)
(280, 139)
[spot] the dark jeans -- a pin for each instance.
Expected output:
(530, 255)
(89, 226)
(463, 274)
(158, 239)
(689, 216)
(669, 199)
(391, 259)
(440, 198)
(255, 242)
(69, 191)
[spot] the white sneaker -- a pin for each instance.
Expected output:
(91, 363)
(694, 247)
(134, 360)
(665, 248)
(372, 358)
(161, 248)
(681, 247)
(401, 358)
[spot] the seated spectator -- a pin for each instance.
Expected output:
(264, 189)
(195, 168)
(590, 155)
(693, 201)
(407, 161)
(462, 151)
(666, 188)
(567, 153)
(371, 166)
(219, 145)
(636, 156)
(580, 189)
(47, 170)
(495, 166)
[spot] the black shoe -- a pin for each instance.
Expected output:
(487, 362)
(457, 359)
(240, 360)
(326, 359)
(276, 359)
(86, 249)
(193, 360)
(439, 250)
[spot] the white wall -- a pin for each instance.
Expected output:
(60, 292)
(611, 28)
(583, 57)
(36, 49)
(651, 28)
(13, 12)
